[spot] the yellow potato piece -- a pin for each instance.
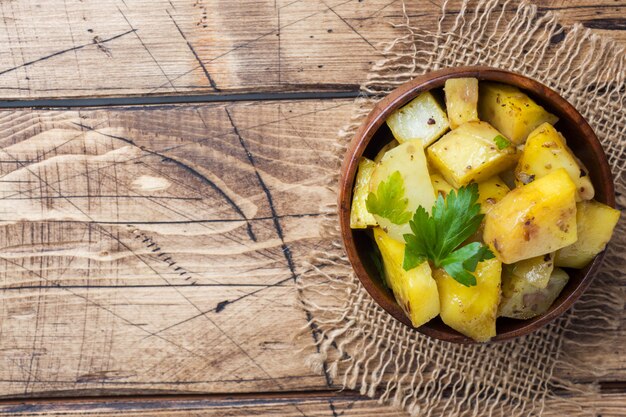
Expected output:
(461, 100)
(360, 218)
(511, 111)
(535, 271)
(422, 119)
(523, 300)
(440, 185)
(469, 153)
(415, 290)
(471, 310)
(408, 158)
(532, 220)
(384, 150)
(546, 151)
(595, 223)
(490, 192)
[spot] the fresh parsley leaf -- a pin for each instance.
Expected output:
(462, 261)
(389, 200)
(501, 142)
(437, 237)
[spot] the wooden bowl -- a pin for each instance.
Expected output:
(374, 133)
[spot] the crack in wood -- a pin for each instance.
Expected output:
(279, 231)
(61, 52)
(195, 54)
(352, 28)
(152, 245)
(245, 44)
(147, 50)
(189, 169)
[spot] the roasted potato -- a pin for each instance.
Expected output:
(422, 119)
(360, 218)
(407, 158)
(415, 290)
(461, 100)
(523, 300)
(535, 270)
(532, 220)
(546, 151)
(471, 310)
(490, 192)
(594, 223)
(440, 185)
(470, 153)
(384, 150)
(511, 111)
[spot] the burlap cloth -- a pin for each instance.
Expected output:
(362, 347)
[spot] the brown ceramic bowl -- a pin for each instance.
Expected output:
(374, 133)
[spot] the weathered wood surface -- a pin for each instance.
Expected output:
(153, 249)
(71, 48)
(330, 405)
(316, 405)
(140, 257)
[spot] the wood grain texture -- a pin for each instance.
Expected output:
(344, 404)
(152, 249)
(334, 405)
(71, 48)
(134, 259)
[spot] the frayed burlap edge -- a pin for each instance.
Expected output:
(361, 347)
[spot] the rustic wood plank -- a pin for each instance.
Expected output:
(325, 405)
(345, 404)
(155, 261)
(70, 48)
(151, 249)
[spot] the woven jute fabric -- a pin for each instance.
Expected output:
(362, 347)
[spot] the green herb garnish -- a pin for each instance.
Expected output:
(389, 200)
(437, 237)
(501, 142)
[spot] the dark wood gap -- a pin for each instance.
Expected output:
(66, 103)
(190, 400)
(175, 400)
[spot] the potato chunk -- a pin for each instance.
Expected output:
(546, 151)
(440, 185)
(471, 310)
(490, 192)
(422, 119)
(360, 218)
(535, 270)
(522, 300)
(532, 220)
(384, 150)
(470, 153)
(461, 100)
(511, 111)
(408, 158)
(415, 290)
(595, 223)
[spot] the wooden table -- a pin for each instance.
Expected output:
(162, 178)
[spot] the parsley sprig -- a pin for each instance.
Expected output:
(389, 200)
(437, 237)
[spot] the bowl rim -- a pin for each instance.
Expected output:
(402, 95)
